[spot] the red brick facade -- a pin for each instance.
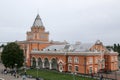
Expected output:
(38, 55)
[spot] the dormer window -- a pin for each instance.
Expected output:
(55, 50)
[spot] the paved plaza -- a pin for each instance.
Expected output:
(8, 76)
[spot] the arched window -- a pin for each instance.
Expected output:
(46, 63)
(54, 64)
(33, 62)
(70, 68)
(76, 69)
(90, 70)
(39, 62)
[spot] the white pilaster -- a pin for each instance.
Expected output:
(50, 67)
(36, 62)
(43, 64)
(31, 62)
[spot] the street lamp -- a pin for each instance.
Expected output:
(73, 75)
(37, 73)
(25, 69)
(37, 70)
(85, 65)
(16, 68)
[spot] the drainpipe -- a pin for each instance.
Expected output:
(84, 64)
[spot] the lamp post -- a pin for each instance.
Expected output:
(37, 71)
(16, 68)
(115, 75)
(85, 65)
(73, 75)
(25, 69)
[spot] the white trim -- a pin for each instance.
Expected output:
(60, 61)
(68, 67)
(61, 67)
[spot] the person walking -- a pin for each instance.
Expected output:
(24, 77)
(101, 77)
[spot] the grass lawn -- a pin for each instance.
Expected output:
(54, 75)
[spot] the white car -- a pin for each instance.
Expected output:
(2, 79)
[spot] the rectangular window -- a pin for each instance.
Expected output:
(112, 59)
(116, 58)
(90, 70)
(70, 68)
(90, 60)
(76, 60)
(69, 59)
(96, 60)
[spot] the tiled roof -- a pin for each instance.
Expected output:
(55, 47)
(84, 47)
(70, 47)
(38, 22)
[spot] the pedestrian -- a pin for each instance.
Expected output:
(92, 75)
(37, 79)
(101, 77)
(24, 77)
(14, 75)
(5, 71)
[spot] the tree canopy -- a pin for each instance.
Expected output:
(11, 55)
(115, 47)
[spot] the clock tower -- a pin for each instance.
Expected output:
(38, 32)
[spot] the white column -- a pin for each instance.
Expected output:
(31, 62)
(50, 67)
(43, 64)
(36, 63)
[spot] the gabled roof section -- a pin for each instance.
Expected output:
(38, 22)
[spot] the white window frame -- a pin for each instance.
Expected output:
(96, 60)
(69, 67)
(69, 59)
(90, 69)
(90, 60)
(76, 60)
(116, 58)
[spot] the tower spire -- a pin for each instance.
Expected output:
(38, 22)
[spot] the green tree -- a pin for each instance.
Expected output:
(11, 55)
(116, 47)
(2, 45)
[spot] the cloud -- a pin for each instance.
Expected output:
(72, 20)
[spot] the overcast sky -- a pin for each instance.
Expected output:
(71, 20)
